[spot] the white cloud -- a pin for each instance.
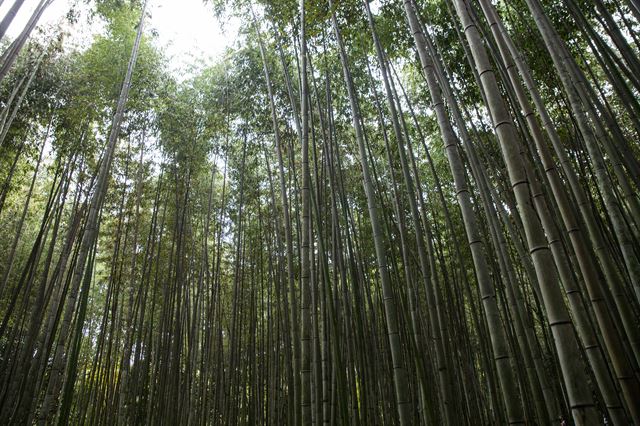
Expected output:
(188, 30)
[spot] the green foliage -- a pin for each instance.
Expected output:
(191, 278)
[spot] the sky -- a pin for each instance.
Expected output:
(187, 29)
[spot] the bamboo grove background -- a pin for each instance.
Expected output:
(403, 212)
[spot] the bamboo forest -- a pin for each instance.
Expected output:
(360, 212)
